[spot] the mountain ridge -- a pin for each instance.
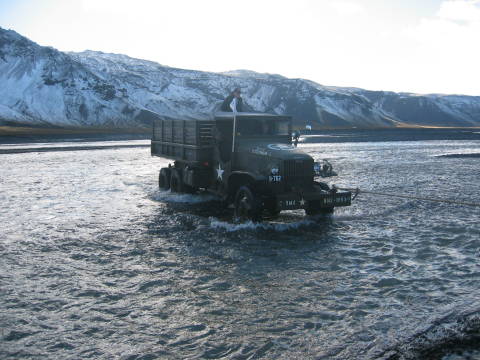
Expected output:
(44, 86)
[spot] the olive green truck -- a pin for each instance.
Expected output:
(248, 160)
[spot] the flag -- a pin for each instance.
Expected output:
(233, 105)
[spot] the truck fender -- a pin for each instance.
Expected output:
(241, 178)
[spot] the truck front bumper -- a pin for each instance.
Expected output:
(324, 199)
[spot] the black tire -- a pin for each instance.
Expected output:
(273, 212)
(247, 205)
(188, 189)
(164, 179)
(176, 182)
(271, 207)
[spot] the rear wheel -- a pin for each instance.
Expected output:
(176, 182)
(247, 205)
(164, 179)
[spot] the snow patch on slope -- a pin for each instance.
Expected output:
(41, 85)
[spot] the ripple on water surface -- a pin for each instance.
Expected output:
(97, 263)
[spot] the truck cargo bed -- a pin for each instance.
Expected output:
(187, 140)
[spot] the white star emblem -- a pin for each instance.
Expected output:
(302, 202)
(220, 172)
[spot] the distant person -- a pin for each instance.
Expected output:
(295, 137)
(228, 100)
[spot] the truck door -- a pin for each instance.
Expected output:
(223, 137)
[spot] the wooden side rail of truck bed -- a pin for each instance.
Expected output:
(186, 140)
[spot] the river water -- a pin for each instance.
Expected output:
(97, 263)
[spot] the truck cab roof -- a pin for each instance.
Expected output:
(255, 125)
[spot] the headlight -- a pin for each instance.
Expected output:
(317, 167)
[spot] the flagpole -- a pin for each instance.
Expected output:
(233, 106)
(234, 130)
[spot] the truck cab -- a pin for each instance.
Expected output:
(248, 160)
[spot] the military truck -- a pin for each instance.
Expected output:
(248, 160)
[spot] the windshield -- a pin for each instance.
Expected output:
(262, 126)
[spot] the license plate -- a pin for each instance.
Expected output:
(292, 204)
(337, 200)
(326, 201)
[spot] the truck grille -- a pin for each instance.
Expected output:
(298, 171)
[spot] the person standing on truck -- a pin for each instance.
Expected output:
(228, 100)
(295, 137)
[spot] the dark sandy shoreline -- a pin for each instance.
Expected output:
(67, 148)
(28, 130)
(20, 134)
(32, 131)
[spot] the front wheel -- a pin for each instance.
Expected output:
(271, 207)
(247, 205)
(273, 212)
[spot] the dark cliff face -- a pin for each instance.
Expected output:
(429, 110)
(41, 85)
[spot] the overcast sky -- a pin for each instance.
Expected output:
(423, 46)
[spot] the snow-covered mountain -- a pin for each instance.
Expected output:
(43, 86)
